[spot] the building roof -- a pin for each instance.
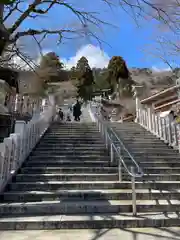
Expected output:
(161, 94)
(167, 105)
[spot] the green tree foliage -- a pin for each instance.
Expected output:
(85, 79)
(50, 67)
(73, 74)
(119, 77)
(101, 81)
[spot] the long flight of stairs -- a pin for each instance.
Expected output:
(68, 182)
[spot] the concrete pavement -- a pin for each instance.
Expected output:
(99, 234)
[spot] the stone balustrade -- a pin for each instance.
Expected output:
(26, 104)
(164, 127)
(16, 148)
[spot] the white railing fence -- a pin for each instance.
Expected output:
(16, 148)
(164, 128)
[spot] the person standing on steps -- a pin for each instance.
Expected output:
(61, 114)
(77, 111)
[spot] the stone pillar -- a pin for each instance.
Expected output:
(36, 110)
(18, 103)
(21, 105)
(137, 93)
(25, 104)
(19, 126)
(150, 120)
(52, 99)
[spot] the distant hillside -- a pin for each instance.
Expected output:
(151, 80)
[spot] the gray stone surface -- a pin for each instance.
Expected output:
(103, 234)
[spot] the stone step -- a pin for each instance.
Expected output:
(151, 157)
(71, 135)
(67, 177)
(80, 127)
(92, 177)
(132, 130)
(57, 185)
(157, 177)
(66, 163)
(100, 162)
(150, 149)
(143, 142)
(68, 206)
(147, 145)
(56, 170)
(68, 152)
(89, 195)
(154, 152)
(139, 139)
(71, 145)
(159, 170)
(72, 131)
(154, 163)
(90, 221)
(135, 135)
(88, 157)
(157, 163)
(71, 140)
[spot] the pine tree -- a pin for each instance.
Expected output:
(85, 79)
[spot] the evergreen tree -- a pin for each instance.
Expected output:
(85, 79)
(119, 77)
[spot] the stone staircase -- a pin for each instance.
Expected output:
(161, 167)
(68, 182)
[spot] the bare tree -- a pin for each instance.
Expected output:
(36, 10)
(165, 12)
(166, 42)
(165, 49)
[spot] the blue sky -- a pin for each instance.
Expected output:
(124, 38)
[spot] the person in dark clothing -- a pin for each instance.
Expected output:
(172, 114)
(77, 111)
(61, 114)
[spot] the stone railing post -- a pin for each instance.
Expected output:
(25, 105)
(137, 90)
(19, 126)
(150, 118)
(19, 103)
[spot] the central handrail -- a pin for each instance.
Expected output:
(139, 172)
(108, 133)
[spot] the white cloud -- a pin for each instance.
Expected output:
(28, 64)
(160, 68)
(95, 56)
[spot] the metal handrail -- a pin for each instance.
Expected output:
(108, 132)
(132, 174)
